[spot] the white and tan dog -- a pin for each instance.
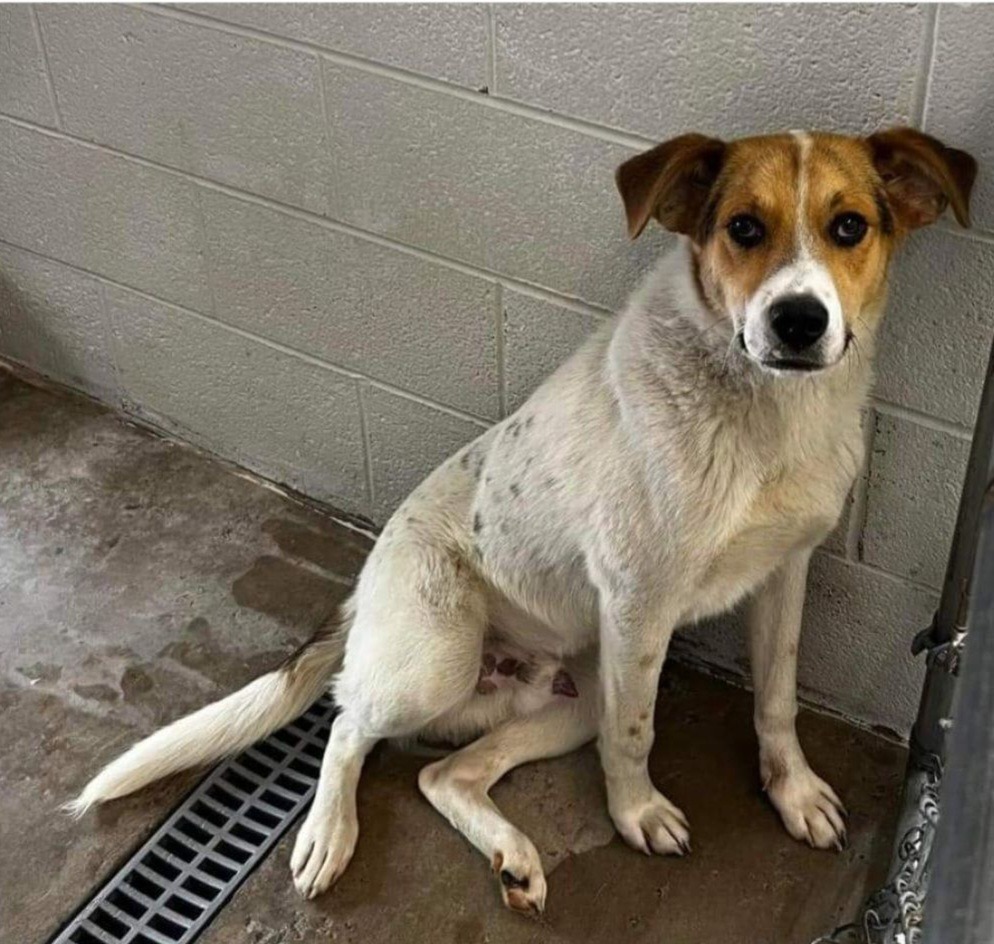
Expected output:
(691, 454)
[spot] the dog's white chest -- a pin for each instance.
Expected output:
(793, 511)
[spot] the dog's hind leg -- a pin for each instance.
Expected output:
(458, 787)
(413, 655)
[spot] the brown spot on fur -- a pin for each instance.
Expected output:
(517, 900)
(643, 716)
(647, 661)
(776, 770)
(634, 730)
(326, 635)
(563, 684)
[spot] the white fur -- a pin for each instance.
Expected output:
(657, 477)
(804, 275)
(224, 727)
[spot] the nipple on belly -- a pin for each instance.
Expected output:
(499, 670)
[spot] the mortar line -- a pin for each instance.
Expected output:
(367, 448)
(348, 372)
(110, 334)
(927, 72)
(910, 415)
(972, 235)
(324, 101)
(49, 81)
(206, 252)
(407, 77)
(880, 572)
(309, 216)
(491, 49)
(501, 364)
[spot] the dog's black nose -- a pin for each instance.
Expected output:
(798, 321)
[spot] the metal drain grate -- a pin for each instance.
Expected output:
(174, 885)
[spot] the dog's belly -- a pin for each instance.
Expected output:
(545, 617)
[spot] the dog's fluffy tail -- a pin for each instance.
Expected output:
(224, 727)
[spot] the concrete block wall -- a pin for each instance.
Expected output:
(334, 243)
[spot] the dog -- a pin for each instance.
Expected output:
(689, 456)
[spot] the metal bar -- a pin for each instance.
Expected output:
(961, 898)
(928, 735)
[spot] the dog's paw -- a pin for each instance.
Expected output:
(654, 826)
(322, 851)
(809, 808)
(522, 881)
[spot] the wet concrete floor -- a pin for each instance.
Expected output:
(139, 580)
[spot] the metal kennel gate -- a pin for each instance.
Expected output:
(940, 889)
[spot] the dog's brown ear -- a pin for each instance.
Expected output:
(671, 182)
(922, 176)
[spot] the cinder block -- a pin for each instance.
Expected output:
(937, 335)
(236, 110)
(538, 337)
(407, 441)
(726, 70)
(282, 417)
(423, 327)
(916, 476)
(52, 320)
(855, 653)
(100, 212)
(960, 105)
(513, 195)
(23, 88)
(443, 40)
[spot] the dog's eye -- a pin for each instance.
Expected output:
(848, 229)
(746, 230)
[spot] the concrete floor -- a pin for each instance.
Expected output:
(139, 580)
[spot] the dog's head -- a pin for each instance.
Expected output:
(792, 234)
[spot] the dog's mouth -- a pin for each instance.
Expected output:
(787, 365)
(792, 365)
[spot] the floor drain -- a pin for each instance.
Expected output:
(175, 884)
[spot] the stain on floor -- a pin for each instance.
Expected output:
(139, 580)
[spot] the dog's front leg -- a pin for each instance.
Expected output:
(633, 638)
(808, 806)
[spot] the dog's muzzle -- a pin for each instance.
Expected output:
(796, 327)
